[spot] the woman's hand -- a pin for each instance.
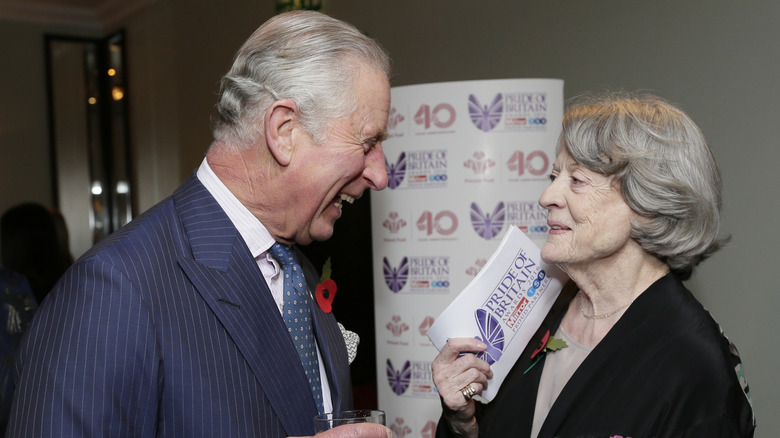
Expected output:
(453, 373)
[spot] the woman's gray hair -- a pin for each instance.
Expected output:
(305, 56)
(661, 163)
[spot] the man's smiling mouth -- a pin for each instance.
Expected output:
(343, 197)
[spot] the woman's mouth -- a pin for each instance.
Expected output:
(556, 227)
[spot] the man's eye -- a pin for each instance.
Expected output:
(369, 144)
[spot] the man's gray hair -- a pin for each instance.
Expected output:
(305, 56)
(660, 161)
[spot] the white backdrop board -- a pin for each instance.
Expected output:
(465, 161)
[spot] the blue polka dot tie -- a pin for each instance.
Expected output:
(297, 316)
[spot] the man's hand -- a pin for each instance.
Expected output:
(362, 430)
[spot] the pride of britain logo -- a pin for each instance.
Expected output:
(521, 111)
(396, 277)
(424, 274)
(529, 216)
(427, 169)
(525, 111)
(488, 225)
(491, 333)
(412, 379)
(421, 169)
(396, 171)
(486, 117)
(399, 379)
(503, 313)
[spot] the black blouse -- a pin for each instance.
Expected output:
(664, 370)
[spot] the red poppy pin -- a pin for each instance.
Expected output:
(326, 290)
(548, 344)
(541, 344)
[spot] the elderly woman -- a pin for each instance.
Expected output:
(633, 206)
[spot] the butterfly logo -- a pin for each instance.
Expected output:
(486, 117)
(399, 379)
(488, 225)
(491, 333)
(396, 277)
(396, 172)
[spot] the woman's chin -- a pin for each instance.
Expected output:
(547, 253)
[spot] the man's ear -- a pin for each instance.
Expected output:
(279, 122)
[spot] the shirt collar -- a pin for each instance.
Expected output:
(256, 236)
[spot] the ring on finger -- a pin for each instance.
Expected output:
(468, 391)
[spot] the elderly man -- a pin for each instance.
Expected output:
(194, 320)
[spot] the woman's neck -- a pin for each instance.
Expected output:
(607, 289)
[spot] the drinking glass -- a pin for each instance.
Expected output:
(330, 420)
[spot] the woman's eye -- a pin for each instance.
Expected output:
(552, 177)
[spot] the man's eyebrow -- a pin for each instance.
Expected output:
(379, 136)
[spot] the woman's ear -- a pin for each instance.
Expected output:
(279, 122)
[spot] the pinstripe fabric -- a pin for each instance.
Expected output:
(167, 328)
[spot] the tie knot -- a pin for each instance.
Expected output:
(284, 254)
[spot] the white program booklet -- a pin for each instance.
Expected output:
(503, 305)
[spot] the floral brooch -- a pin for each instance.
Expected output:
(548, 344)
(326, 290)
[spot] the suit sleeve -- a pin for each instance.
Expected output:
(89, 364)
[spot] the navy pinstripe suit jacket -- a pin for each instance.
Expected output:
(167, 328)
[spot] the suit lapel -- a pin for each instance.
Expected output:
(227, 277)
(331, 343)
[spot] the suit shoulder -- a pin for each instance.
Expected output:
(153, 227)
